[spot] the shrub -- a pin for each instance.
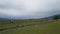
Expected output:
(17, 26)
(22, 25)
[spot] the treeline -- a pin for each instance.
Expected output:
(56, 17)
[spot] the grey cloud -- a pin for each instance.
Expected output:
(29, 8)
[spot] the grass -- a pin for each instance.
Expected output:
(31, 27)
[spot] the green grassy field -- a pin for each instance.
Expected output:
(30, 27)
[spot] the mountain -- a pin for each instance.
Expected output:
(3, 18)
(51, 17)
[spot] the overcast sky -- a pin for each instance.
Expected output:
(29, 8)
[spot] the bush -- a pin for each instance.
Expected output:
(22, 25)
(28, 24)
(17, 26)
(3, 29)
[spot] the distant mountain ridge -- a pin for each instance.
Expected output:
(4, 18)
(51, 17)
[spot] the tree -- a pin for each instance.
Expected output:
(56, 17)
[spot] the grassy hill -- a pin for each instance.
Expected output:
(33, 26)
